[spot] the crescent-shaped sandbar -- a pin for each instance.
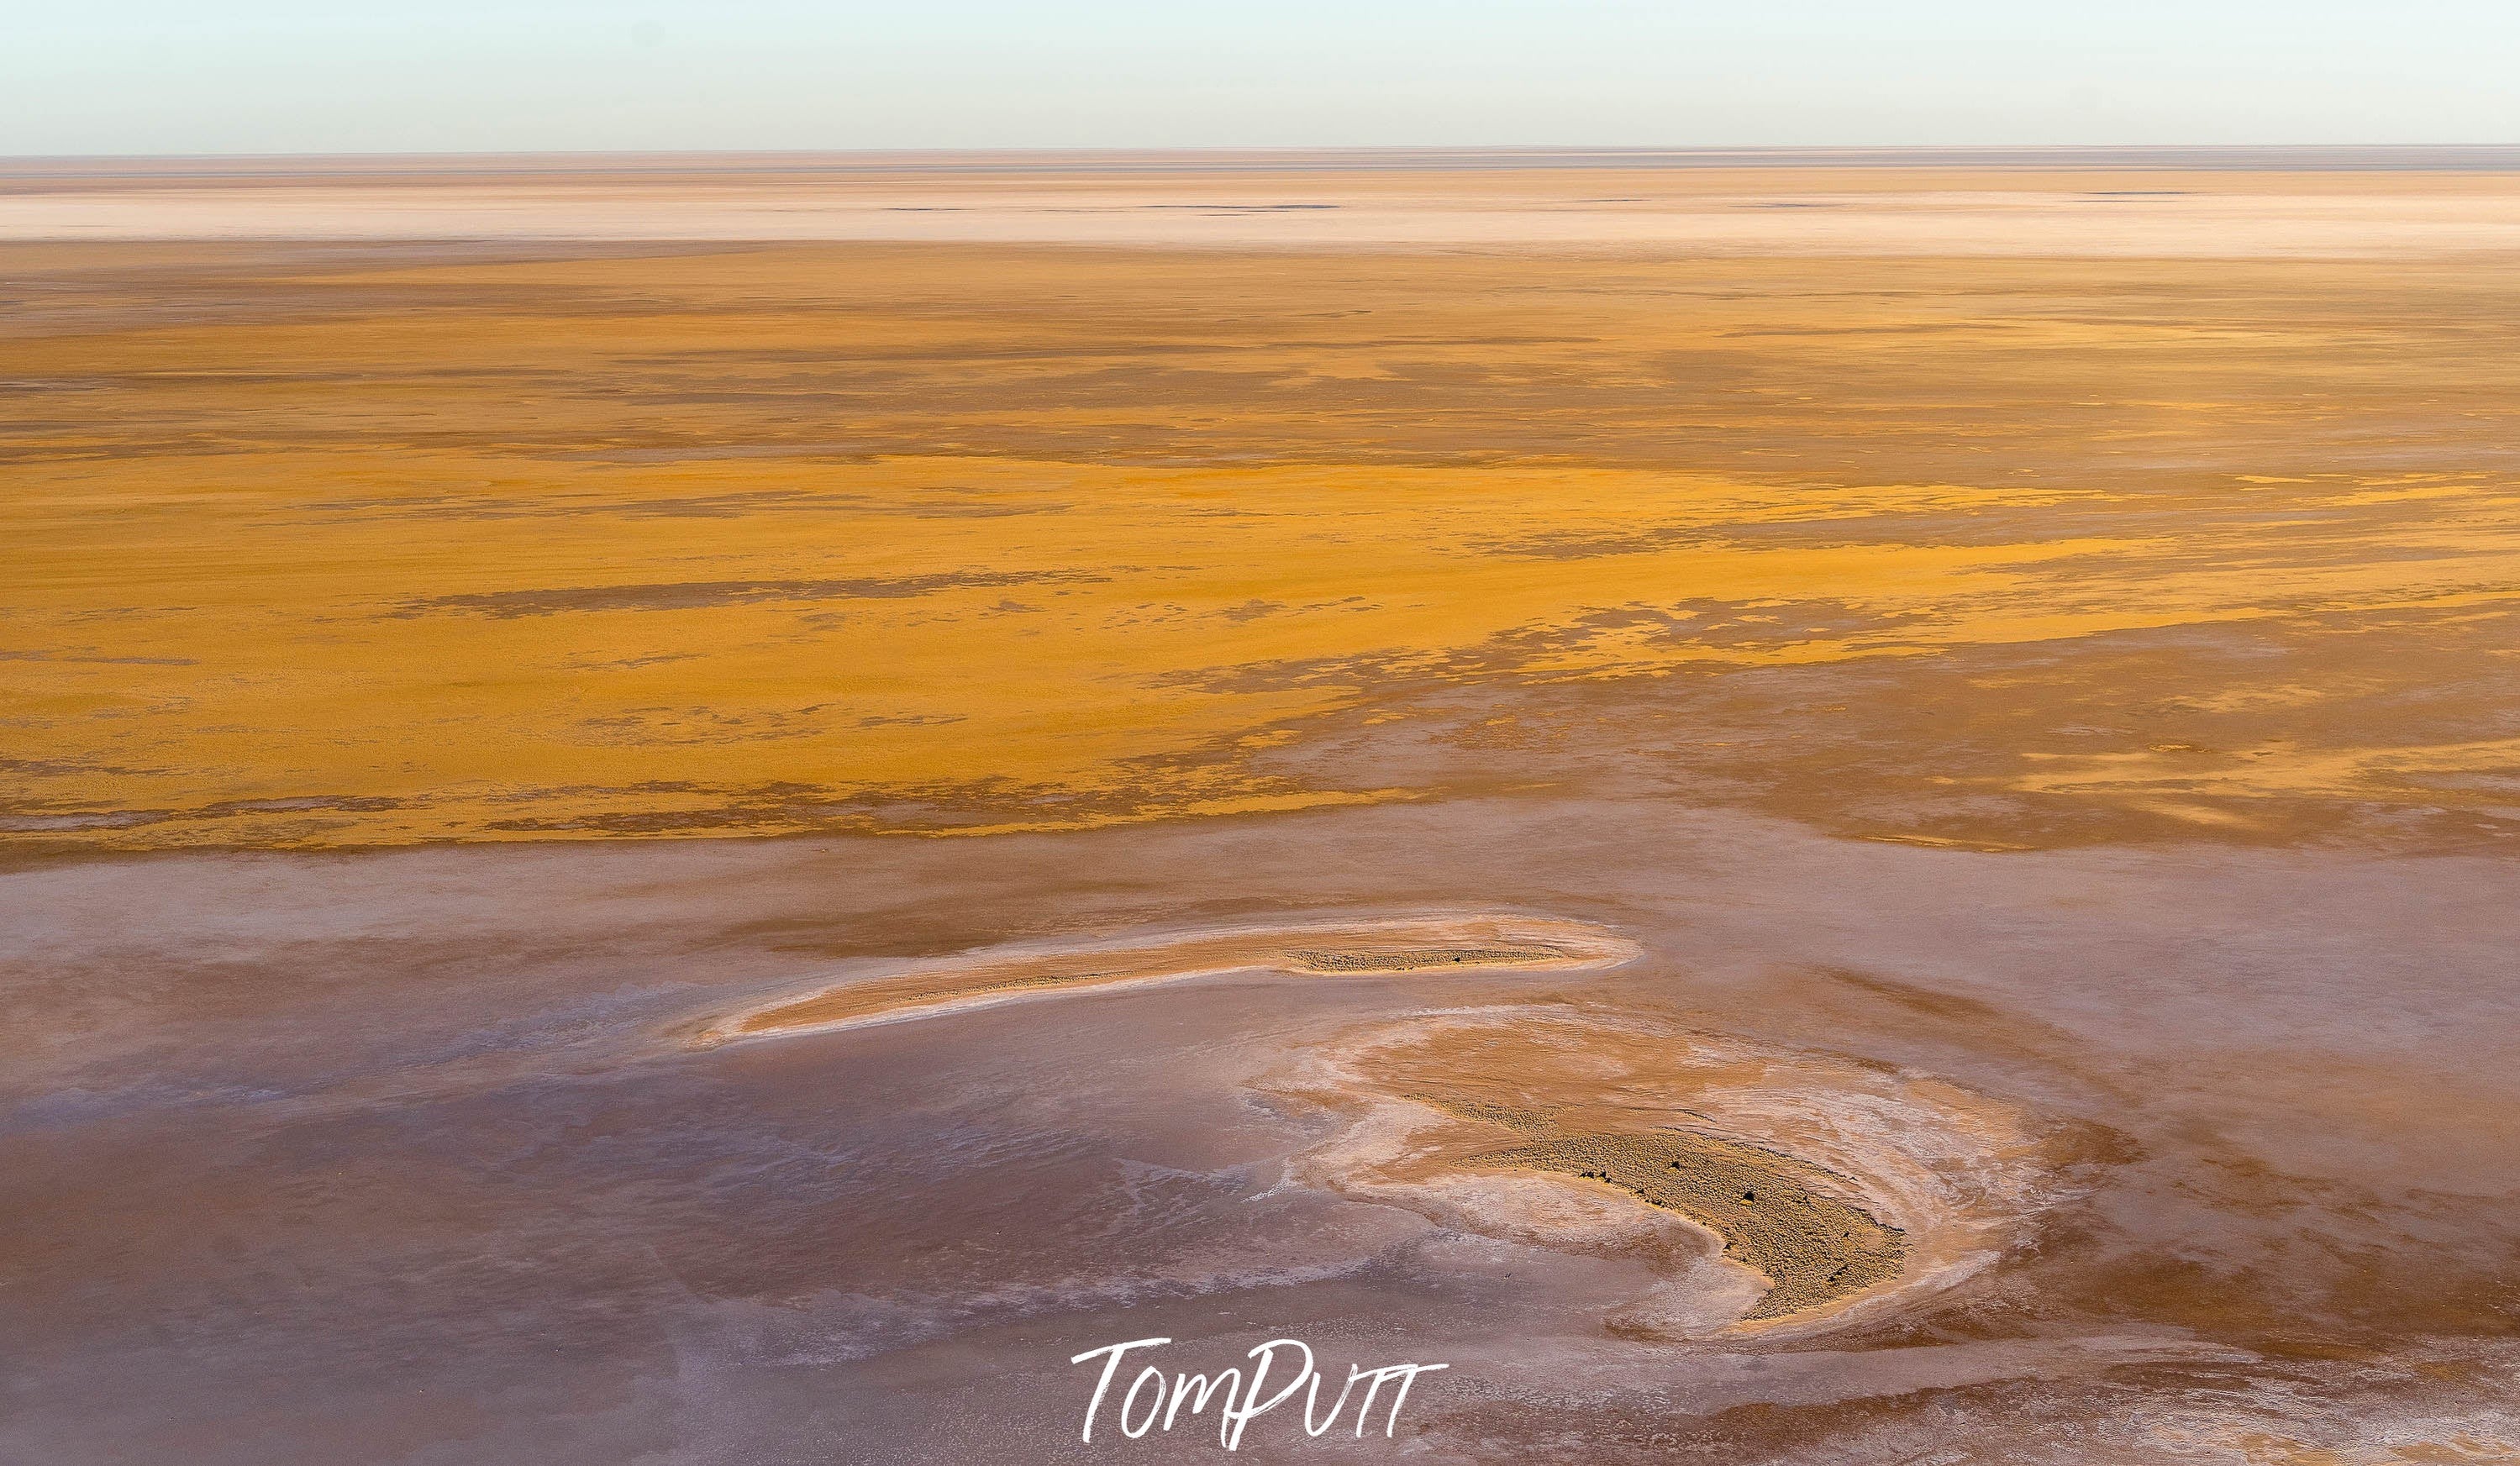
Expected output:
(1318, 948)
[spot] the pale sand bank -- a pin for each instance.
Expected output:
(1311, 948)
(1801, 1239)
(1821, 1185)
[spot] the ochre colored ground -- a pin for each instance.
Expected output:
(317, 545)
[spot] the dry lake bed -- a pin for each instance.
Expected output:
(1803, 809)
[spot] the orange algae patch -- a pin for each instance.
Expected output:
(753, 541)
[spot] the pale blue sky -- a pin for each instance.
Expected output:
(338, 75)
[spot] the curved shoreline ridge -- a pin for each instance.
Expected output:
(1329, 948)
(1765, 1188)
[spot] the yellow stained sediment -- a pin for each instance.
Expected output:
(808, 537)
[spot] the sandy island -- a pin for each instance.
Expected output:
(1808, 1191)
(1803, 1175)
(1315, 950)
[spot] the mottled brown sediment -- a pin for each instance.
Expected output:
(1773, 1211)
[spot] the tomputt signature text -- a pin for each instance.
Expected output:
(1157, 1400)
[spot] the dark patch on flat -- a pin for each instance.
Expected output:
(1414, 958)
(693, 594)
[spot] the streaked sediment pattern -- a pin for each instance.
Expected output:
(336, 545)
(1769, 1208)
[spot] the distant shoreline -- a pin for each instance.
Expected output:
(2193, 203)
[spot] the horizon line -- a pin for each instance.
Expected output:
(2235, 157)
